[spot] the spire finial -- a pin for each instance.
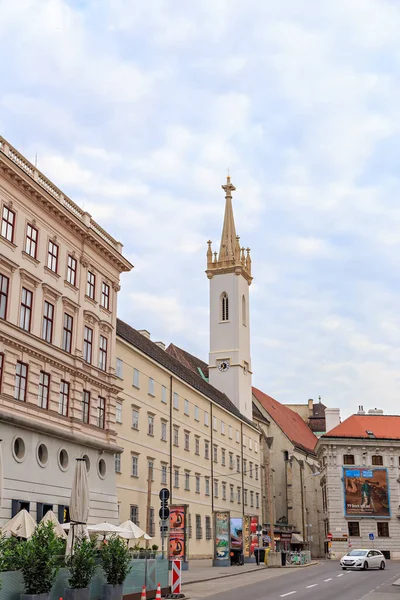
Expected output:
(228, 187)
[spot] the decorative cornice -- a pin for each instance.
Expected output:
(70, 304)
(106, 327)
(31, 279)
(8, 264)
(90, 317)
(50, 292)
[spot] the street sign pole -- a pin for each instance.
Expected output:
(164, 515)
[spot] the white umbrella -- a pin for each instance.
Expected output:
(79, 506)
(108, 528)
(22, 525)
(1, 474)
(137, 532)
(50, 517)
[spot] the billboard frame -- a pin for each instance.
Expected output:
(361, 469)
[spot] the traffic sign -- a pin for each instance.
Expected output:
(329, 536)
(163, 513)
(371, 537)
(164, 495)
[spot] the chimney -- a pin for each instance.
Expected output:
(160, 345)
(375, 411)
(332, 418)
(145, 333)
(310, 406)
(361, 410)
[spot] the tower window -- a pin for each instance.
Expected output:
(244, 311)
(224, 307)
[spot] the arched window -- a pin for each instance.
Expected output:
(244, 322)
(224, 307)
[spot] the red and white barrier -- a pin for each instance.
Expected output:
(176, 577)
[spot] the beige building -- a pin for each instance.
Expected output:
(59, 278)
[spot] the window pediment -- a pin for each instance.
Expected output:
(7, 265)
(50, 292)
(90, 317)
(29, 278)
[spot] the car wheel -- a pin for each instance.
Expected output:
(382, 566)
(365, 567)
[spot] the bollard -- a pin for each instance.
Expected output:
(176, 576)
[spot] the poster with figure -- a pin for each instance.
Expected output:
(177, 532)
(250, 538)
(237, 533)
(221, 529)
(366, 492)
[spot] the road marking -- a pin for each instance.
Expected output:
(288, 594)
(341, 575)
(330, 579)
(313, 585)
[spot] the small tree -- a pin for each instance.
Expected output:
(116, 558)
(82, 564)
(39, 559)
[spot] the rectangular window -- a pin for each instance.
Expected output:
(245, 497)
(230, 460)
(197, 445)
(48, 319)
(207, 484)
(197, 484)
(199, 532)
(176, 478)
(348, 459)
(383, 529)
(237, 437)
(117, 458)
(354, 529)
(21, 380)
(257, 500)
(63, 398)
(31, 240)
(150, 425)
(230, 432)
(163, 474)
(164, 431)
(103, 353)
(164, 394)
(1, 368)
(150, 470)
(244, 466)
(186, 407)
(206, 419)
(215, 488)
(196, 413)
(52, 257)
(223, 457)
(67, 333)
(251, 499)
(4, 283)
(255, 446)
(187, 481)
(244, 440)
(71, 270)
(238, 464)
(101, 416)
(135, 465)
(85, 406)
(176, 401)
(91, 285)
(119, 368)
(26, 310)
(187, 440)
(151, 386)
(251, 469)
(231, 493)
(136, 378)
(134, 514)
(135, 418)
(239, 495)
(206, 450)
(256, 469)
(105, 296)
(44, 390)
(176, 436)
(190, 526)
(152, 523)
(222, 428)
(87, 344)
(7, 224)
(208, 528)
(223, 490)
(377, 460)
(215, 453)
(251, 443)
(118, 412)
(215, 423)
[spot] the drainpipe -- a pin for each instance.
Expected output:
(241, 452)
(212, 456)
(170, 438)
(302, 502)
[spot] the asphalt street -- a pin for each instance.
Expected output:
(325, 581)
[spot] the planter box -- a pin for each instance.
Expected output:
(77, 594)
(35, 596)
(111, 592)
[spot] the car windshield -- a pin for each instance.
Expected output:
(357, 553)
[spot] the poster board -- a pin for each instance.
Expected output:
(178, 532)
(366, 492)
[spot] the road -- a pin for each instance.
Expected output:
(325, 581)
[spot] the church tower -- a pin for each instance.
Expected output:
(229, 273)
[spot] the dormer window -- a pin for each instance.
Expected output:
(224, 307)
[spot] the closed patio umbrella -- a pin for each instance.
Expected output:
(22, 525)
(137, 532)
(50, 517)
(79, 506)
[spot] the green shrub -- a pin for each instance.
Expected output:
(39, 559)
(116, 558)
(82, 564)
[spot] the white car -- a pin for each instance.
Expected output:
(363, 559)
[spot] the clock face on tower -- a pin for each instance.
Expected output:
(223, 366)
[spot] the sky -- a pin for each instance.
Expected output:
(136, 109)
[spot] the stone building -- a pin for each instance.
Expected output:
(360, 468)
(59, 279)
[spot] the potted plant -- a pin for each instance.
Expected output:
(116, 558)
(135, 552)
(39, 562)
(82, 566)
(154, 549)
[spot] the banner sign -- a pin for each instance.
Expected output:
(177, 532)
(250, 538)
(237, 533)
(221, 535)
(366, 492)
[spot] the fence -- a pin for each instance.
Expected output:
(155, 572)
(297, 558)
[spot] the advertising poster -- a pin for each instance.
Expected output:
(236, 533)
(366, 492)
(253, 534)
(250, 538)
(221, 528)
(177, 532)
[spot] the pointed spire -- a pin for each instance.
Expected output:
(209, 254)
(227, 248)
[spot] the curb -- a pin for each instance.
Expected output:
(311, 564)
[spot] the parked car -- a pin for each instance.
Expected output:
(363, 559)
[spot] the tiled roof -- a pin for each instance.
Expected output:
(289, 422)
(164, 358)
(187, 359)
(316, 424)
(357, 426)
